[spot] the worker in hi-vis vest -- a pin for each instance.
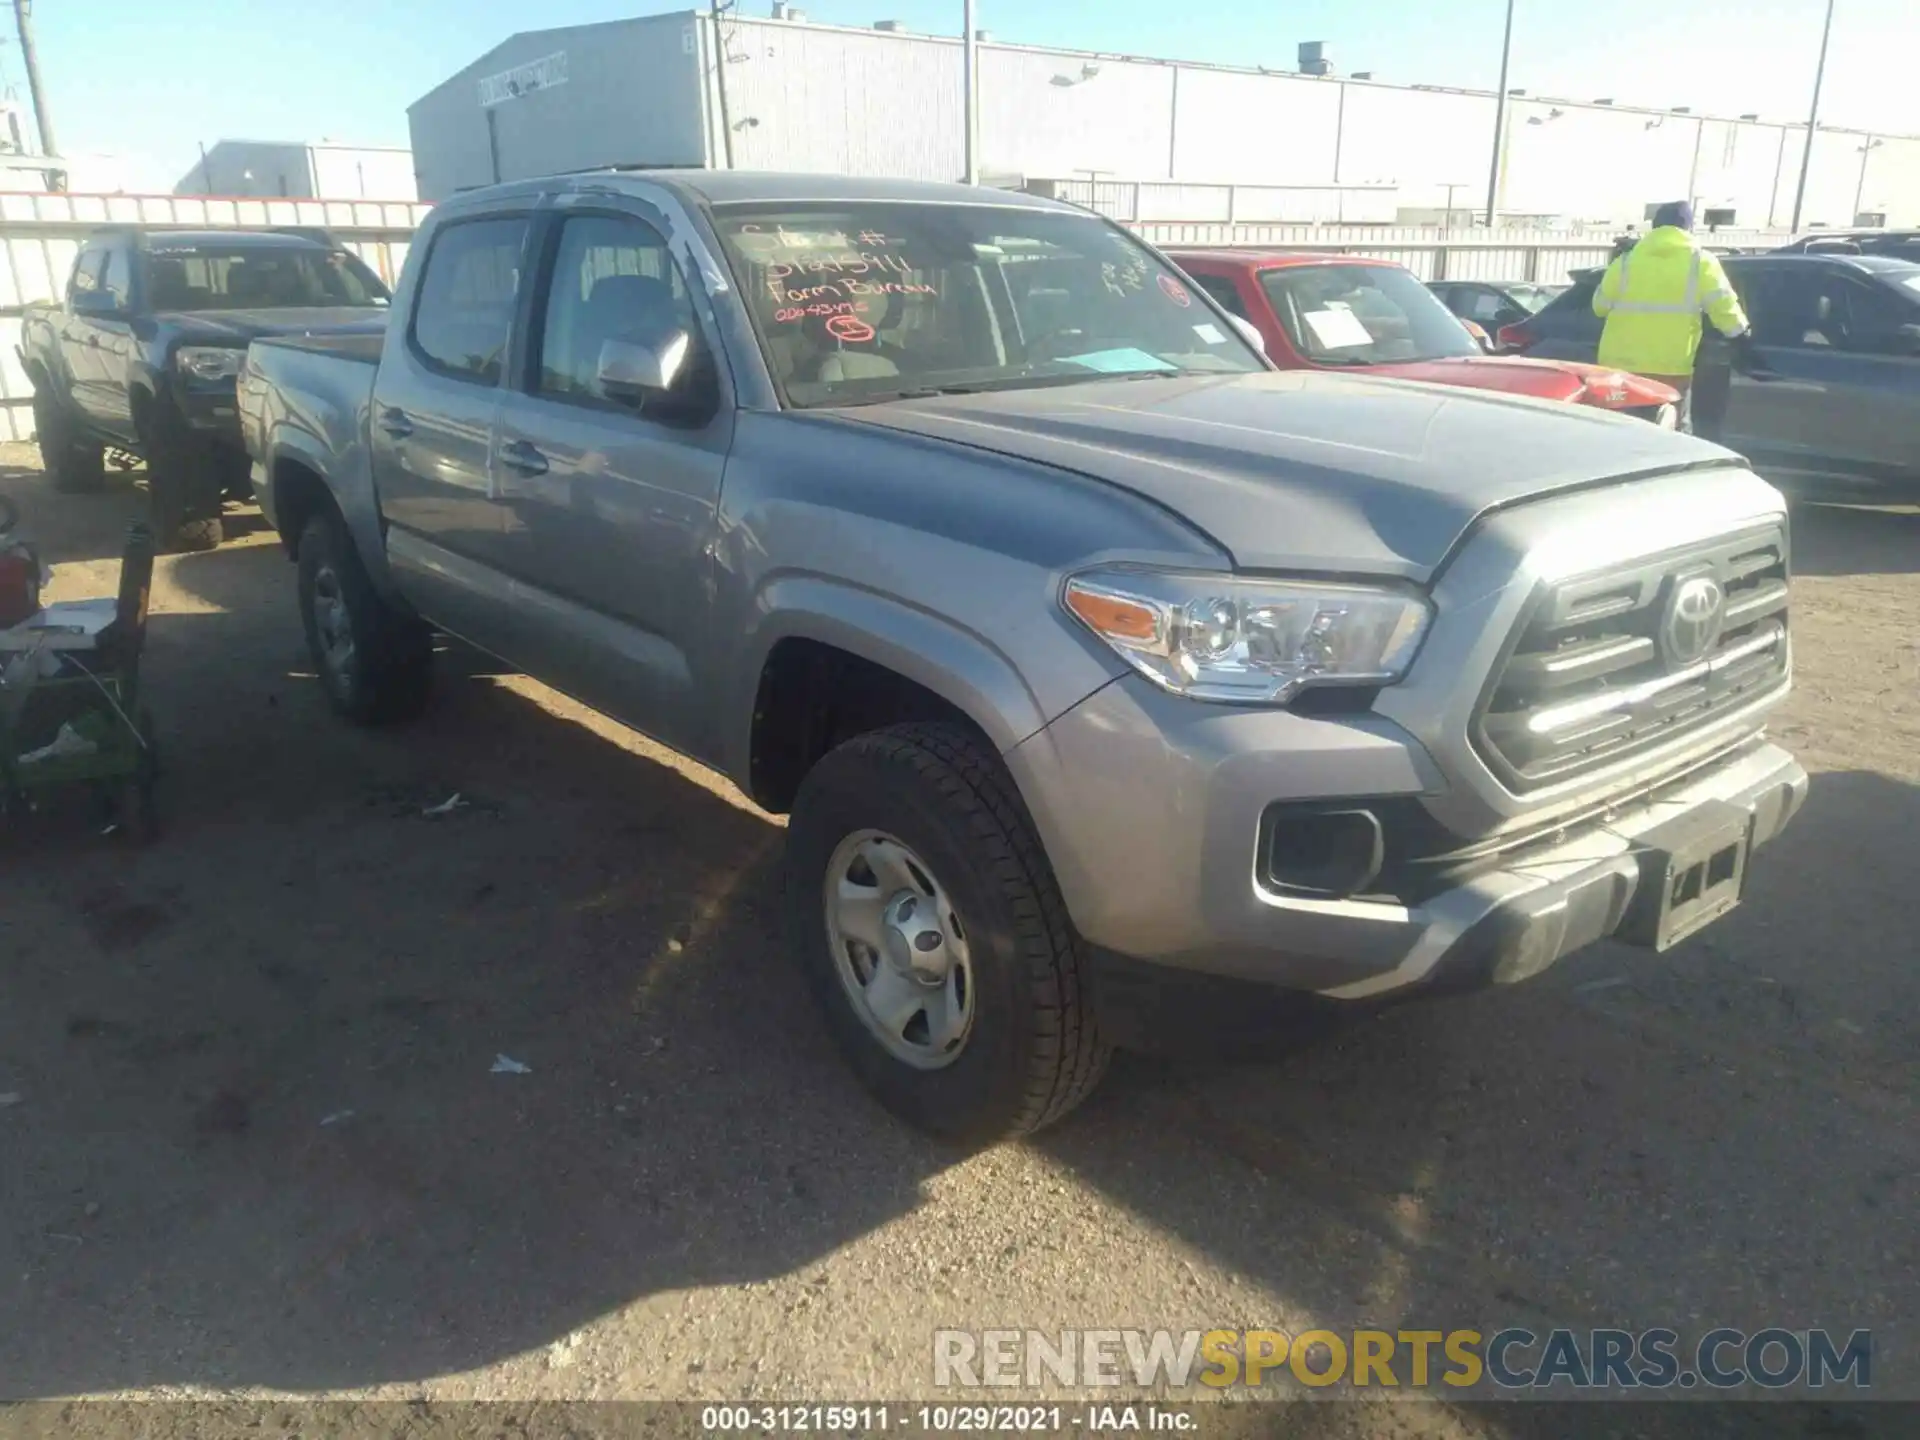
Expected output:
(1652, 298)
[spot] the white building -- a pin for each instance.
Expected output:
(301, 171)
(800, 96)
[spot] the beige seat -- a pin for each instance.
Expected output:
(856, 365)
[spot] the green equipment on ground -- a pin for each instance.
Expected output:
(70, 706)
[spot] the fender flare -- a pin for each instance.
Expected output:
(961, 666)
(286, 441)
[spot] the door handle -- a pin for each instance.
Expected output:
(519, 455)
(396, 423)
(93, 342)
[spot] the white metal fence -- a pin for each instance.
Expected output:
(39, 235)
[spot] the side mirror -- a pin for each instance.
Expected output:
(1479, 334)
(633, 372)
(1249, 332)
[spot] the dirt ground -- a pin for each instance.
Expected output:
(258, 1144)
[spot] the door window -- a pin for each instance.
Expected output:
(1819, 309)
(612, 280)
(1224, 291)
(86, 271)
(117, 280)
(464, 314)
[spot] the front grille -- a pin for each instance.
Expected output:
(1601, 666)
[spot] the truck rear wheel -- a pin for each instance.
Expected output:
(375, 663)
(73, 465)
(934, 937)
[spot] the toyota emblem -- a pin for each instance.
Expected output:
(1696, 614)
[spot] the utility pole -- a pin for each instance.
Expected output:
(1813, 119)
(23, 17)
(972, 96)
(1499, 117)
(720, 79)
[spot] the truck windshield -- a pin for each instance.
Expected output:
(870, 301)
(257, 277)
(1364, 315)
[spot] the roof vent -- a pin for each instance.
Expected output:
(889, 27)
(1313, 58)
(1363, 75)
(1607, 101)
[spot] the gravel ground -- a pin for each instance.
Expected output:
(259, 1147)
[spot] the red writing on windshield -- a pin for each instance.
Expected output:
(1175, 291)
(843, 289)
(789, 313)
(850, 328)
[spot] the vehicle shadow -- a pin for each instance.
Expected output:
(1835, 540)
(261, 1126)
(262, 1141)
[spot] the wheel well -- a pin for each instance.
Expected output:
(298, 495)
(813, 697)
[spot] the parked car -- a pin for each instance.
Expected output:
(1323, 312)
(1837, 412)
(1888, 244)
(1088, 656)
(1493, 303)
(141, 351)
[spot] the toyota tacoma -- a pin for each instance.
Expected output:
(1085, 652)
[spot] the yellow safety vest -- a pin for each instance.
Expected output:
(1652, 299)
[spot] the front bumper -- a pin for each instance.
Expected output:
(1151, 809)
(211, 410)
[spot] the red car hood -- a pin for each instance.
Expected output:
(1542, 379)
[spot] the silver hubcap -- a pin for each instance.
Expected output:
(334, 625)
(899, 949)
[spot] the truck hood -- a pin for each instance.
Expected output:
(239, 326)
(1295, 470)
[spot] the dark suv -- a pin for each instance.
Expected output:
(141, 351)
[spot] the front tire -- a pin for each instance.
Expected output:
(73, 466)
(183, 485)
(935, 939)
(375, 663)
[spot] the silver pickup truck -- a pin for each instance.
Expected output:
(1085, 651)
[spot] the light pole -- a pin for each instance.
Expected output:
(1499, 117)
(1860, 190)
(972, 98)
(1813, 119)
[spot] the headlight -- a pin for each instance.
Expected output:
(208, 362)
(1250, 641)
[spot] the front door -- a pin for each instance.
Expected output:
(607, 503)
(113, 348)
(1845, 401)
(434, 409)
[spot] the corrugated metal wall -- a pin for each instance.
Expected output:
(825, 98)
(39, 235)
(632, 96)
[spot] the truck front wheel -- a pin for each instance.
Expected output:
(934, 936)
(183, 483)
(375, 663)
(74, 466)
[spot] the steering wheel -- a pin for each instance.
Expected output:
(9, 516)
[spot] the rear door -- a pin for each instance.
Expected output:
(606, 502)
(113, 345)
(78, 334)
(1846, 403)
(435, 405)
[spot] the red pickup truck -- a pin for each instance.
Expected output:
(1324, 312)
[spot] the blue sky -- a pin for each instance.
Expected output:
(148, 81)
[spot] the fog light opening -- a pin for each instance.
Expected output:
(1323, 854)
